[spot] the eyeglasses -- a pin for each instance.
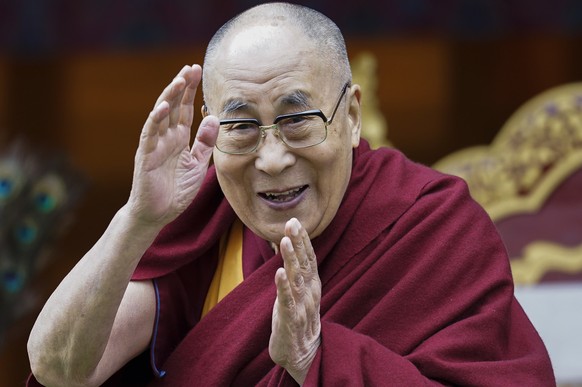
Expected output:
(240, 136)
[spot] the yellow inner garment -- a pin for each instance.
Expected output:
(229, 271)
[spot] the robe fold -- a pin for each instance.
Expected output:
(416, 290)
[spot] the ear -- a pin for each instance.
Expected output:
(204, 110)
(355, 113)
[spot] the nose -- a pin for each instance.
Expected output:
(273, 156)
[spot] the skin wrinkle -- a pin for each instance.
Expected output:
(233, 78)
(295, 101)
(262, 51)
(232, 106)
(270, 67)
(276, 72)
(120, 303)
(265, 80)
(324, 36)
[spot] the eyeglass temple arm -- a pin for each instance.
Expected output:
(338, 102)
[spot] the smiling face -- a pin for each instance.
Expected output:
(262, 72)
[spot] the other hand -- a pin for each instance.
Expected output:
(296, 325)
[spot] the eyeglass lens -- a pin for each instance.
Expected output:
(297, 132)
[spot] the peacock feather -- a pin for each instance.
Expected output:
(38, 193)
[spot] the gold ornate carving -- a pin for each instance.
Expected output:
(535, 151)
(541, 257)
(539, 146)
(374, 126)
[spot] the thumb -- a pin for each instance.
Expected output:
(205, 139)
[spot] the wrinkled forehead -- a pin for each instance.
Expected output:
(264, 55)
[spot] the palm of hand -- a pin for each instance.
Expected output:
(168, 174)
(296, 325)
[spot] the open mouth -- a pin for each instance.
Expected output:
(282, 197)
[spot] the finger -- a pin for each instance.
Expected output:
(152, 127)
(169, 95)
(285, 300)
(183, 78)
(205, 139)
(187, 104)
(294, 231)
(291, 265)
(172, 94)
(309, 252)
(175, 98)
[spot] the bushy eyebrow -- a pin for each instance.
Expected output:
(233, 105)
(297, 99)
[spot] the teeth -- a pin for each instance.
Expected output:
(281, 196)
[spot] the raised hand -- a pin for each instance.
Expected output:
(167, 173)
(296, 324)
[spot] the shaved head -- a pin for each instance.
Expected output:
(319, 29)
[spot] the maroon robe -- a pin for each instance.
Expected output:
(417, 290)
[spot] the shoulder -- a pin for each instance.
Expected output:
(400, 181)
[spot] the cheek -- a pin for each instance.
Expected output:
(334, 173)
(338, 156)
(238, 194)
(229, 167)
(230, 175)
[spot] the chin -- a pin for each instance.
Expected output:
(271, 233)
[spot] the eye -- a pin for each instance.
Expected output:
(243, 126)
(236, 128)
(297, 120)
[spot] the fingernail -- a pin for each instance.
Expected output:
(295, 228)
(286, 244)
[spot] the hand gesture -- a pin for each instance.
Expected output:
(168, 174)
(296, 325)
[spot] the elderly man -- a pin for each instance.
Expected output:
(301, 256)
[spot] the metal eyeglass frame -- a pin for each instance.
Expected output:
(264, 128)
